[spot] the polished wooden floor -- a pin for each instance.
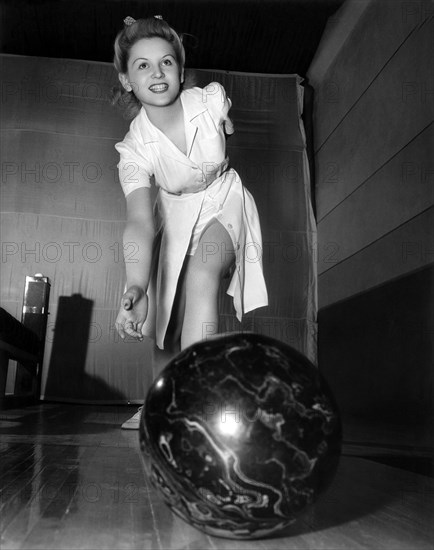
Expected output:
(71, 478)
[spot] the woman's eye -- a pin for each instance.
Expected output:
(143, 66)
(167, 62)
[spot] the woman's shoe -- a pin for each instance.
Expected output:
(133, 422)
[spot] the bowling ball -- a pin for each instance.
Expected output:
(239, 434)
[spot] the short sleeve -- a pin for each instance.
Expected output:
(219, 104)
(135, 170)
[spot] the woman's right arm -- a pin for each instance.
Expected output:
(138, 236)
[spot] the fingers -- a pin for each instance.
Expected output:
(140, 329)
(128, 328)
(127, 303)
(132, 330)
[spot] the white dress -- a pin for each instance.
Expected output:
(192, 189)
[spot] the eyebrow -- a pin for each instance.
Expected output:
(146, 59)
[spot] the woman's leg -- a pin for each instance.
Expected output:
(201, 282)
(172, 339)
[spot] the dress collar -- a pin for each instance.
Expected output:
(193, 106)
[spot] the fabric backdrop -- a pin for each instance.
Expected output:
(63, 213)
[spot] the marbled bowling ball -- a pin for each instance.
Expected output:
(240, 434)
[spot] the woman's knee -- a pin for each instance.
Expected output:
(211, 261)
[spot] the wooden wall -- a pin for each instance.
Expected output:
(374, 91)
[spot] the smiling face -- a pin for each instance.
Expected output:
(154, 74)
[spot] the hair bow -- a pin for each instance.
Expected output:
(128, 21)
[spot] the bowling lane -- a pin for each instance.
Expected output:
(70, 478)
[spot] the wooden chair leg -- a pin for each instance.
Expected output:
(4, 364)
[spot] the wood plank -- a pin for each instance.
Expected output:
(406, 249)
(380, 32)
(18, 489)
(15, 458)
(398, 192)
(375, 508)
(52, 489)
(85, 495)
(392, 111)
(339, 28)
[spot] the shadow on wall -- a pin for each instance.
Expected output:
(376, 351)
(66, 377)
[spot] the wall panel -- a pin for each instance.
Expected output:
(392, 111)
(374, 175)
(382, 29)
(401, 190)
(408, 248)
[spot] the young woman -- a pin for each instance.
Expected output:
(205, 223)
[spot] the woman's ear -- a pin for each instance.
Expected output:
(181, 76)
(125, 82)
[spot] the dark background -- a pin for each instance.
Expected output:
(264, 36)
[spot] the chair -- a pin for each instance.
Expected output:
(24, 342)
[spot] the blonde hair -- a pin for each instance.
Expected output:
(152, 27)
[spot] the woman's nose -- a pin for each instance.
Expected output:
(158, 73)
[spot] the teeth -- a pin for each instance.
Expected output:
(158, 87)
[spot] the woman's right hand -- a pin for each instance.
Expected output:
(132, 313)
